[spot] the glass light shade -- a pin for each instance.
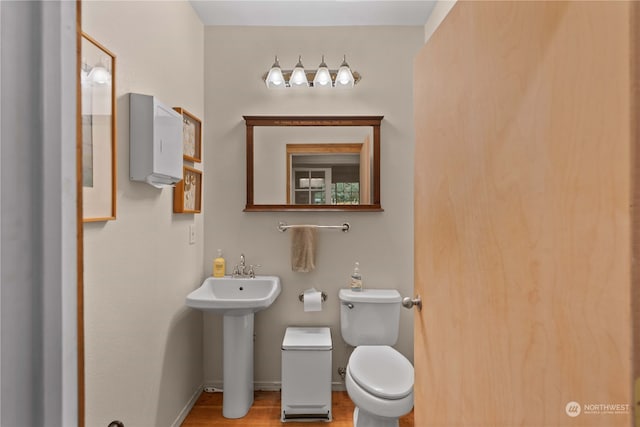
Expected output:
(298, 76)
(344, 78)
(275, 79)
(99, 75)
(323, 76)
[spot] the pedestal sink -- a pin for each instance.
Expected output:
(236, 299)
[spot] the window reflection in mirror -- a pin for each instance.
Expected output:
(330, 174)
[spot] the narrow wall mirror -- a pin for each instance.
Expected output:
(98, 129)
(313, 163)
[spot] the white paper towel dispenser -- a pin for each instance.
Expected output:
(155, 142)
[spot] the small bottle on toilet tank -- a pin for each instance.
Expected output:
(356, 278)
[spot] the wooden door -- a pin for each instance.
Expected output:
(522, 224)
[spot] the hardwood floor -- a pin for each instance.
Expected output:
(265, 412)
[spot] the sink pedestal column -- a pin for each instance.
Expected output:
(237, 367)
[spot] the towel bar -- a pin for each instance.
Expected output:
(283, 226)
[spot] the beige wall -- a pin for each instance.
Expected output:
(235, 59)
(143, 346)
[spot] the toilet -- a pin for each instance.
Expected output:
(379, 379)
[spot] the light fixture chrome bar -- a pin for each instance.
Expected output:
(276, 77)
(310, 74)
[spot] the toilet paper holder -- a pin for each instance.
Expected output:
(323, 296)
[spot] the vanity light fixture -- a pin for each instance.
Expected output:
(323, 77)
(298, 75)
(97, 75)
(344, 76)
(275, 79)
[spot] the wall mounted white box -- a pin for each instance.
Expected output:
(155, 143)
(306, 374)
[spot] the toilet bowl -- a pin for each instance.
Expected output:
(379, 379)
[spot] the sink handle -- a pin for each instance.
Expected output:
(251, 271)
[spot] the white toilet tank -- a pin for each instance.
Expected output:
(370, 316)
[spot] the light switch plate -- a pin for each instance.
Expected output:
(192, 234)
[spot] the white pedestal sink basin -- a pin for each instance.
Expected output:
(237, 299)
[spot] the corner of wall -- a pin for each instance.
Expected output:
(439, 12)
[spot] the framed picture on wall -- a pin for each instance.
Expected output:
(191, 136)
(97, 129)
(187, 194)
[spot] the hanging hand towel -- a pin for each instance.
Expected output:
(303, 249)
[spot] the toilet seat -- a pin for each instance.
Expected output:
(388, 409)
(382, 371)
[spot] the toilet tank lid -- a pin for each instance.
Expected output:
(370, 295)
(301, 338)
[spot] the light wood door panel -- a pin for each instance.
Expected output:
(522, 222)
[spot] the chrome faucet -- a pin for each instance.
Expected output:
(240, 270)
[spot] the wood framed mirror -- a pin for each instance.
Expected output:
(313, 163)
(97, 76)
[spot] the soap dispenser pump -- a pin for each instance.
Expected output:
(356, 278)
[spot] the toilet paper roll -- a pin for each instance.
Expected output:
(312, 300)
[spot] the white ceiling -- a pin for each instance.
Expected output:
(310, 13)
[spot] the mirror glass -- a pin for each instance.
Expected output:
(97, 79)
(308, 164)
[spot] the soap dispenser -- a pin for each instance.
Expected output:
(219, 265)
(356, 278)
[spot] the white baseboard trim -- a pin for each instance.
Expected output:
(267, 385)
(338, 386)
(185, 411)
(215, 384)
(272, 385)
